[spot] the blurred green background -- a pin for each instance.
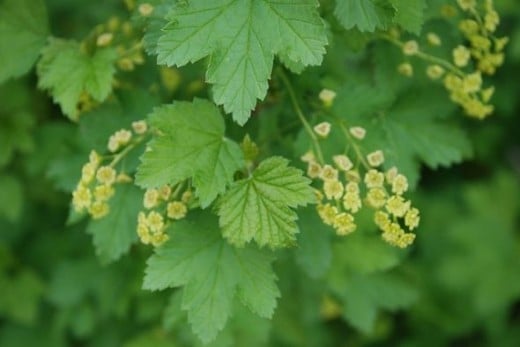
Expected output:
(462, 275)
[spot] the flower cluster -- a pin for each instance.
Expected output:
(487, 53)
(162, 207)
(95, 187)
(124, 38)
(344, 192)
(483, 51)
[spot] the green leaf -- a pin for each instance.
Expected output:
(364, 295)
(241, 38)
(114, 233)
(359, 276)
(260, 207)
(67, 72)
(366, 254)
(212, 274)
(244, 328)
(21, 295)
(314, 253)
(366, 15)
(17, 120)
(190, 144)
(23, 31)
(11, 205)
(399, 129)
(409, 14)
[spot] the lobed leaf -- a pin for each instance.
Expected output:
(190, 143)
(241, 38)
(259, 207)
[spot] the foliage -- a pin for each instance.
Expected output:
(259, 173)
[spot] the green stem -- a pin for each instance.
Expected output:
(299, 112)
(427, 57)
(354, 145)
(119, 156)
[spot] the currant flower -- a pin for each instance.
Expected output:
(106, 175)
(322, 129)
(151, 198)
(374, 179)
(314, 170)
(461, 56)
(328, 173)
(358, 132)
(397, 206)
(98, 209)
(399, 184)
(81, 198)
(103, 192)
(176, 210)
(344, 224)
(411, 219)
(343, 162)
(376, 158)
(327, 213)
(333, 189)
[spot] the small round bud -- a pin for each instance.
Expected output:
(410, 47)
(461, 56)
(145, 9)
(104, 39)
(433, 39)
(466, 5)
(139, 127)
(434, 71)
(308, 157)
(113, 144)
(327, 96)
(391, 174)
(405, 69)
